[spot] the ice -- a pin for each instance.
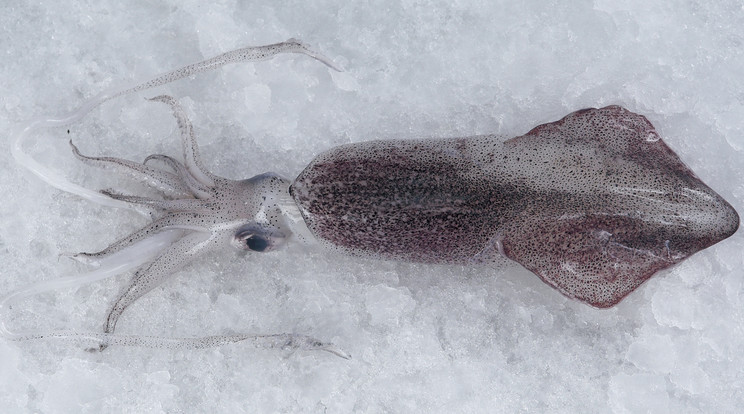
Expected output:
(385, 305)
(422, 338)
(638, 393)
(653, 352)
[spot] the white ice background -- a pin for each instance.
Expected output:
(423, 338)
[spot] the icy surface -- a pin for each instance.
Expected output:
(423, 338)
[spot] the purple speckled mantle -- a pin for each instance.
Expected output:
(594, 204)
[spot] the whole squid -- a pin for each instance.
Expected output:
(594, 204)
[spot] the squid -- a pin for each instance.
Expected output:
(594, 204)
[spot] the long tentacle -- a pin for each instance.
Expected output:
(152, 275)
(181, 205)
(175, 221)
(246, 54)
(57, 180)
(191, 155)
(162, 180)
(195, 186)
(127, 255)
(169, 162)
(121, 262)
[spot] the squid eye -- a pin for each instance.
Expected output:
(256, 243)
(258, 238)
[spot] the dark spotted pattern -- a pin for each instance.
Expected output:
(594, 204)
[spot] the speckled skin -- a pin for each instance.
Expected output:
(211, 213)
(594, 204)
(199, 212)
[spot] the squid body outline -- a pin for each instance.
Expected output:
(594, 204)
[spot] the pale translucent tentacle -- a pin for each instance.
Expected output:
(182, 205)
(127, 252)
(50, 176)
(153, 274)
(121, 262)
(134, 256)
(57, 180)
(246, 54)
(169, 162)
(191, 156)
(286, 342)
(196, 188)
(175, 221)
(162, 180)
